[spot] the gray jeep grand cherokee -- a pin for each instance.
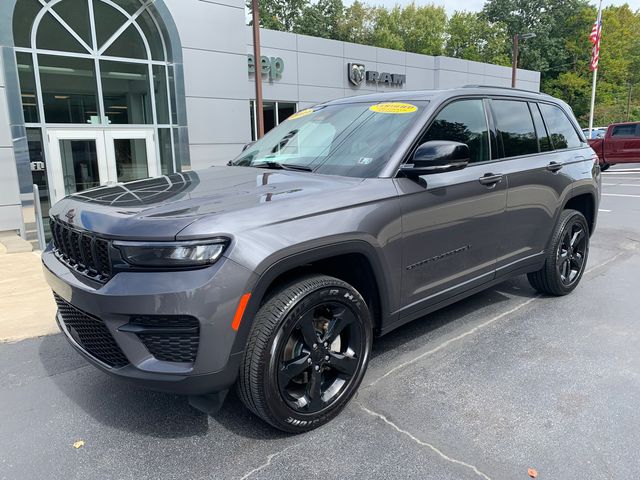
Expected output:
(351, 218)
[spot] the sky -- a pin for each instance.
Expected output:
(474, 5)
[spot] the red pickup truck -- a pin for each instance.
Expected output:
(621, 144)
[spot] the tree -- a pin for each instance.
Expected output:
(618, 67)
(322, 19)
(280, 14)
(357, 24)
(472, 37)
(412, 28)
(552, 23)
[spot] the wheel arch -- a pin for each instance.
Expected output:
(354, 262)
(585, 203)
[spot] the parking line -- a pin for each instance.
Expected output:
(622, 184)
(455, 339)
(620, 195)
(603, 210)
(485, 324)
(268, 462)
(423, 443)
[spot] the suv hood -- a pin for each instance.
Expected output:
(159, 208)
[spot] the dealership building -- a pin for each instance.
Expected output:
(100, 91)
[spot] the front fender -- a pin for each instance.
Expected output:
(304, 254)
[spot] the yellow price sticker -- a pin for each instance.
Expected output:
(301, 113)
(393, 107)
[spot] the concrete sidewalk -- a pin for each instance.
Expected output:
(28, 309)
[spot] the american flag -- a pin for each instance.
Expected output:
(595, 37)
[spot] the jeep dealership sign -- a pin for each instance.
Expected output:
(358, 74)
(270, 66)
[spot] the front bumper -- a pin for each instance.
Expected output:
(210, 295)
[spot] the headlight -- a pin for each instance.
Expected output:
(172, 254)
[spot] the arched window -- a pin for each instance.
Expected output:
(102, 63)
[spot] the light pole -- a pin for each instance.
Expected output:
(514, 64)
(257, 61)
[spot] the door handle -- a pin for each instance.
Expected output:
(490, 179)
(554, 166)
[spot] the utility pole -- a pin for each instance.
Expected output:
(514, 61)
(516, 52)
(258, 68)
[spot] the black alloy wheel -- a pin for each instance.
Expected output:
(572, 253)
(566, 256)
(320, 356)
(307, 353)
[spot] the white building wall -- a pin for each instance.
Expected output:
(215, 73)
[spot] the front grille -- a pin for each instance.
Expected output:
(81, 251)
(171, 338)
(91, 334)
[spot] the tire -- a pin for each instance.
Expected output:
(286, 380)
(566, 257)
(604, 167)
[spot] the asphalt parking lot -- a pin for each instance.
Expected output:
(504, 381)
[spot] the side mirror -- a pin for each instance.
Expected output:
(437, 156)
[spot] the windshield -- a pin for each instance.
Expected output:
(354, 139)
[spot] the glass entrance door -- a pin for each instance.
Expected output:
(79, 161)
(90, 158)
(131, 155)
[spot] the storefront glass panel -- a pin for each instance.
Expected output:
(125, 87)
(69, 90)
(27, 87)
(79, 165)
(131, 159)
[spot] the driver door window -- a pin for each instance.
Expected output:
(463, 121)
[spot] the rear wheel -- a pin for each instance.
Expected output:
(307, 353)
(604, 167)
(567, 256)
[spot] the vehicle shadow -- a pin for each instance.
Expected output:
(125, 407)
(424, 329)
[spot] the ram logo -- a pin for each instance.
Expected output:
(356, 73)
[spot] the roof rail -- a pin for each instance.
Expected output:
(503, 88)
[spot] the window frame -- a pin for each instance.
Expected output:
(576, 128)
(535, 105)
(254, 123)
(496, 150)
(636, 133)
(538, 102)
(96, 53)
(432, 118)
(526, 101)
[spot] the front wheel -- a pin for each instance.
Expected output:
(567, 256)
(604, 167)
(307, 352)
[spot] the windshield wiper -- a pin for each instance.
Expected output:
(282, 166)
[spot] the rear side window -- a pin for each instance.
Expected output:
(515, 127)
(463, 121)
(625, 131)
(561, 130)
(541, 130)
